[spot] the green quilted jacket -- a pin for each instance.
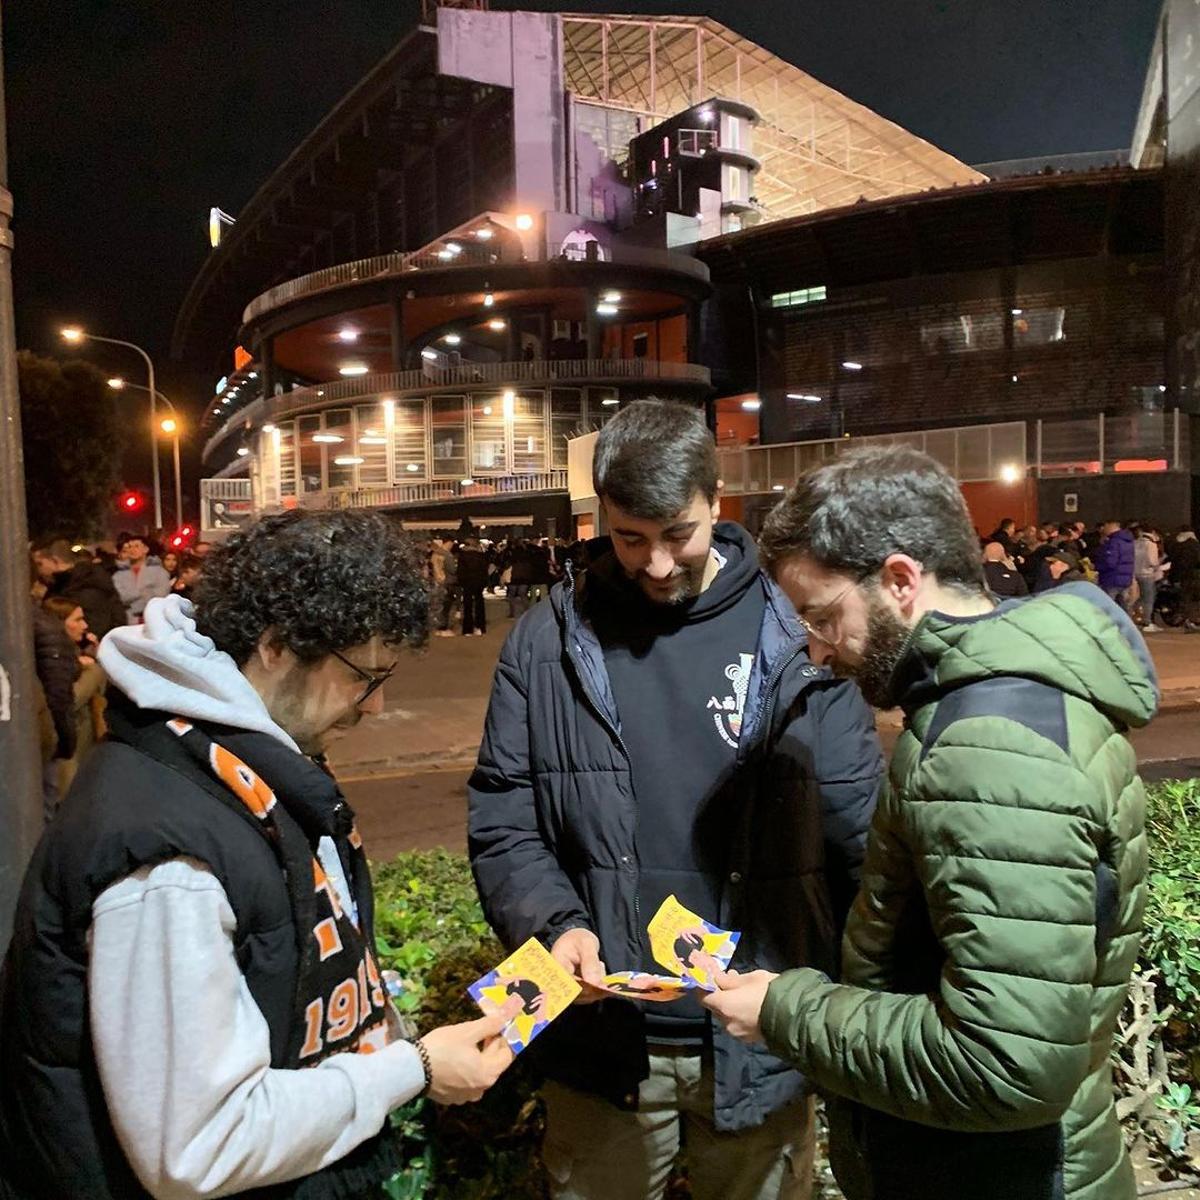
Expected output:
(987, 955)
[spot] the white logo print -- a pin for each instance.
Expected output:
(727, 716)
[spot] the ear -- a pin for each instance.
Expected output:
(901, 579)
(270, 652)
(716, 504)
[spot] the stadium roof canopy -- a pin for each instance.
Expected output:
(819, 149)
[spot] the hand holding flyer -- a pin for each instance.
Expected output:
(529, 988)
(688, 945)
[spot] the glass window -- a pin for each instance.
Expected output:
(372, 445)
(311, 455)
(810, 295)
(602, 405)
(408, 438)
(566, 422)
(337, 425)
(1038, 326)
(529, 432)
(695, 142)
(487, 433)
(448, 427)
(287, 458)
(962, 333)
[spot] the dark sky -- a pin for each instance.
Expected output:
(127, 119)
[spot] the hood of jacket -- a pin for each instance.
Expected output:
(1073, 638)
(166, 665)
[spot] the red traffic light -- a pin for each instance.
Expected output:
(186, 531)
(177, 542)
(131, 502)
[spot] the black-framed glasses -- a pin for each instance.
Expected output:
(373, 679)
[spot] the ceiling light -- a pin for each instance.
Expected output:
(268, 429)
(488, 299)
(429, 353)
(497, 324)
(487, 410)
(524, 222)
(751, 405)
(1009, 473)
(372, 439)
(484, 235)
(510, 399)
(347, 460)
(71, 334)
(452, 339)
(412, 467)
(1016, 312)
(252, 375)
(852, 366)
(612, 297)
(607, 310)
(444, 255)
(320, 393)
(454, 248)
(706, 114)
(242, 451)
(468, 482)
(353, 369)
(116, 384)
(808, 397)
(348, 335)
(327, 437)
(1015, 378)
(610, 402)
(777, 487)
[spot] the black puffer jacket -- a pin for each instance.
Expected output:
(553, 820)
(91, 587)
(57, 663)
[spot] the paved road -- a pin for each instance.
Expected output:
(426, 810)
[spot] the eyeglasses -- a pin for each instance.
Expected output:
(825, 627)
(373, 679)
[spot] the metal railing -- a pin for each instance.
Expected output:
(395, 384)
(436, 491)
(971, 453)
(1125, 444)
(388, 266)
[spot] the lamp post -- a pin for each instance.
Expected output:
(74, 335)
(168, 425)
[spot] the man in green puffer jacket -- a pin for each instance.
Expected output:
(989, 950)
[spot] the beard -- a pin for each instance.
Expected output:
(886, 639)
(685, 585)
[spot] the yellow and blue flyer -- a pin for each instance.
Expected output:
(638, 985)
(688, 945)
(529, 988)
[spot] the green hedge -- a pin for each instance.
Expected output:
(432, 931)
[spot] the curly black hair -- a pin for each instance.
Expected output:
(322, 581)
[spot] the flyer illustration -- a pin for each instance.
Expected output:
(688, 945)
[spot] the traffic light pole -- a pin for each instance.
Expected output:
(20, 761)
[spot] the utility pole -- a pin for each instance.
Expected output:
(20, 760)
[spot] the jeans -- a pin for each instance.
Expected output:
(596, 1151)
(518, 596)
(1148, 586)
(1120, 595)
(451, 595)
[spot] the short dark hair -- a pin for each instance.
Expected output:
(850, 514)
(322, 581)
(58, 548)
(60, 606)
(653, 457)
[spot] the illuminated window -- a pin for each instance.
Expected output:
(811, 295)
(695, 142)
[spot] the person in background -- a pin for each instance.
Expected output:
(1147, 571)
(139, 577)
(187, 576)
(1114, 562)
(170, 562)
(192, 1003)
(443, 565)
(1058, 567)
(77, 577)
(987, 958)
(472, 578)
(520, 578)
(56, 660)
(1185, 571)
(88, 703)
(1005, 534)
(1003, 578)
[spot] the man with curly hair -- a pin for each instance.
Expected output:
(192, 1004)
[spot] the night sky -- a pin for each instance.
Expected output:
(128, 119)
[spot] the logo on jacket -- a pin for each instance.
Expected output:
(728, 710)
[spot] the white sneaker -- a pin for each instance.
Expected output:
(477, 633)
(1151, 629)
(443, 633)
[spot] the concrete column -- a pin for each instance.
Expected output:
(397, 332)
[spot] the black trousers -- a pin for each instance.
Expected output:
(474, 616)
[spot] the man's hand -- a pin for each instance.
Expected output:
(466, 1059)
(738, 1001)
(578, 951)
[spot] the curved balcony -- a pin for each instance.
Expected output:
(468, 377)
(394, 266)
(440, 491)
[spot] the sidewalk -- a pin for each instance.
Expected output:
(436, 702)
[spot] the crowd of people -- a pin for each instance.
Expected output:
(1153, 577)
(79, 594)
(192, 1002)
(466, 568)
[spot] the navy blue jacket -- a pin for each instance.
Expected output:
(1114, 560)
(552, 834)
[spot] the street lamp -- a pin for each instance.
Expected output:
(75, 335)
(169, 425)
